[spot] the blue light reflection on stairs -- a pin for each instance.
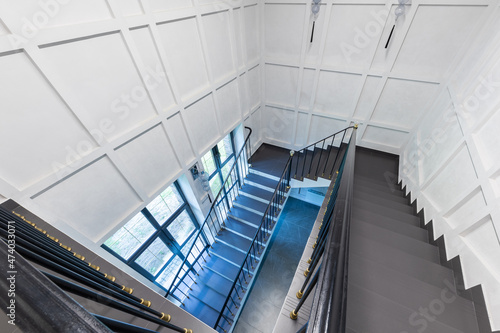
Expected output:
(208, 291)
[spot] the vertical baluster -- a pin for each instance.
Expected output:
(328, 156)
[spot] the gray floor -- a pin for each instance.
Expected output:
(273, 281)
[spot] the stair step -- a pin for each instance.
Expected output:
(245, 216)
(386, 187)
(362, 187)
(395, 259)
(242, 229)
(405, 208)
(256, 193)
(208, 296)
(222, 267)
(214, 281)
(230, 238)
(264, 174)
(201, 311)
(401, 242)
(413, 293)
(370, 312)
(391, 224)
(227, 252)
(386, 211)
(249, 203)
(266, 182)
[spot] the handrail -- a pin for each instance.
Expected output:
(212, 209)
(286, 173)
(328, 137)
(329, 310)
(266, 213)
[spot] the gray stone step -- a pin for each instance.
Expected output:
(448, 307)
(386, 211)
(403, 243)
(381, 221)
(398, 260)
(379, 200)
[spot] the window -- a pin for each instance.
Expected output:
(218, 162)
(155, 241)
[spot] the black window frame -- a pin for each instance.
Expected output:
(162, 233)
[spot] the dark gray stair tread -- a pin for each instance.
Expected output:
(222, 267)
(394, 225)
(235, 240)
(379, 185)
(369, 312)
(215, 281)
(386, 211)
(228, 253)
(362, 187)
(264, 181)
(336, 157)
(405, 208)
(201, 311)
(257, 192)
(251, 203)
(403, 243)
(241, 228)
(270, 159)
(403, 262)
(208, 296)
(299, 167)
(412, 293)
(245, 215)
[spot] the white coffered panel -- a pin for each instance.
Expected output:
(402, 102)
(118, 96)
(337, 93)
(429, 49)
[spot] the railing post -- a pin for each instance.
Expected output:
(289, 172)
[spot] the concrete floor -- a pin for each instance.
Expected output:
(273, 281)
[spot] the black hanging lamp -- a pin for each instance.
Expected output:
(399, 11)
(315, 10)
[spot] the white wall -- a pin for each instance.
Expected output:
(346, 75)
(407, 99)
(104, 103)
(451, 165)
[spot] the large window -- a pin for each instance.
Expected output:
(155, 241)
(218, 162)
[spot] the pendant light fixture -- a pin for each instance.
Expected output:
(399, 11)
(315, 7)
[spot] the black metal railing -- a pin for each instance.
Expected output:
(212, 226)
(42, 306)
(255, 252)
(322, 158)
(329, 261)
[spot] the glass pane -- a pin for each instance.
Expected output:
(196, 249)
(181, 227)
(166, 277)
(164, 205)
(225, 172)
(208, 162)
(225, 148)
(154, 257)
(215, 185)
(131, 236)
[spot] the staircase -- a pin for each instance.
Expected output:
(396, 280)
(215, 290)
(227, 254)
